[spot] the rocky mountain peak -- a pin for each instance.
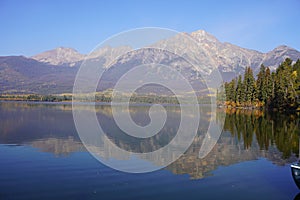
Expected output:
(283, 48)
(202, 35)
(60, 56)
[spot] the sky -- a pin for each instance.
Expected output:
(33, 26)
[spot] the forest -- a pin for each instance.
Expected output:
(277, 90)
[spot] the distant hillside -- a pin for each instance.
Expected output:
(19, 74)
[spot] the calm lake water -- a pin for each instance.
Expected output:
(42, 157)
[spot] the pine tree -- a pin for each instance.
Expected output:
(249, 86)
(239, 91)
(268, 86)
(260, 83)
(221, 95)
(226, 87)
(230, 91)
(296, 73)
(284, 92)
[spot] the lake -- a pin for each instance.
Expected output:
(42, 156)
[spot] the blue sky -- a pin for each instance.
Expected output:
(33, 26)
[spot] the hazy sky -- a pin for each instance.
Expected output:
(29, 27)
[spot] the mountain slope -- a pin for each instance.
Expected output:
(19, 74)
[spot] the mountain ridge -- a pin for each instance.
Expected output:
(54, 71)
(69, 56)
(226, 56)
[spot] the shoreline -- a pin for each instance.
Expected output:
(95, 103)
(261, 108)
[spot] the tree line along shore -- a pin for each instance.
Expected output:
(277, 90)
(105, 97)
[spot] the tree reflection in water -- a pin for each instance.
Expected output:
(247, 135)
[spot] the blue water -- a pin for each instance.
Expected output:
(40, 166)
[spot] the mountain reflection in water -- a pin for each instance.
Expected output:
(247, 134)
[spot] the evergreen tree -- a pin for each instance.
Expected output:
(239, 91)
(260, 83)
(296, 74)
(249, 86)
(268, 86)
(221, 95)
(283, 85)
(230, 91)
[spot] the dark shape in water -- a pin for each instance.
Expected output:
(297, 197)
(296, 173)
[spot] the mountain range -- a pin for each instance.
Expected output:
(54, 71)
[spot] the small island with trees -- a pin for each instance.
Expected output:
(277, 90)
